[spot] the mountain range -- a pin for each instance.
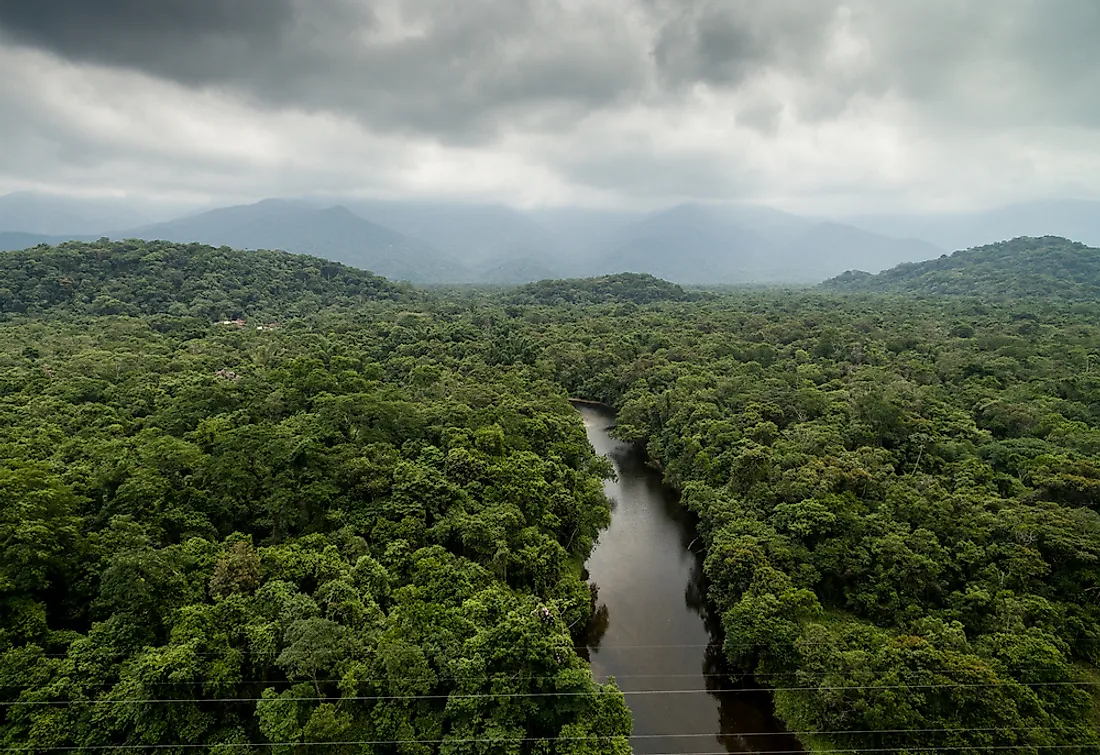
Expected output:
(450, 242)
(333, 233)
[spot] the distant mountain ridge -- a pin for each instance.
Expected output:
(479, 236)
(1049, 267)
(689, 243)
(433, 241)
(1069, 218)
(742, 244)
(51, 215)
(13, 241)
(333, 233)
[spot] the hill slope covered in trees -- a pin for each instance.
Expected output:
(1049, 266)
(160, 277)
(638, 288)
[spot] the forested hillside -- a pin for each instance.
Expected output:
(1048, 267)
(368, 525)
(638, 288)
(159, 277)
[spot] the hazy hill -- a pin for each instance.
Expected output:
(480, 236)
(56, 215)
(521, 270)
(157, 277)
(695, 243)
(623, 287)
(15, 240)
(584, 230)
(1050, 267)
(825, 249)
(1070, 218)
(689, 243)
(333, 233)
(432, 241)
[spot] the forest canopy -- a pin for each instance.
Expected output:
(368, 524)
(638, 288)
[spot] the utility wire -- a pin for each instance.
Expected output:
(949, 748)
(508, 676)
(591, 648)
(567, 693)
(560, 647)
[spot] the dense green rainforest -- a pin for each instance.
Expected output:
(359, 529)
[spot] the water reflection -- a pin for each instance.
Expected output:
(653, 630)
(597, 625)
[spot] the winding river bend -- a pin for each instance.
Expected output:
(652, 630)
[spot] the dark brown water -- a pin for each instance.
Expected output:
(652, 630)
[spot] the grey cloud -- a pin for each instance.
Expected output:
(464, 69)
(1013, 63)
(643, 173)
(192, 41)
(122, 27)
(724, 43)
(939, 54)
(533, 76)
(57, 148)
(1022, 62)
(762, 115)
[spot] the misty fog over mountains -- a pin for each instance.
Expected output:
(427, 241)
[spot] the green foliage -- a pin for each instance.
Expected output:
(637, 288)
(320, 533)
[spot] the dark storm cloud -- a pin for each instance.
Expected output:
(640, 172)
(439, 67)
(938, 53)
(195, 42)
(624, 97)
(137, 32)
(724, 43)
(460, 70)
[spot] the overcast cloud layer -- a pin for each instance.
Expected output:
(823, 106)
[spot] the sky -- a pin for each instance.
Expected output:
(809, 105)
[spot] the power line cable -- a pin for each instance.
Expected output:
(509, 676)
(590, 648)
(566, 693)
(922, 748)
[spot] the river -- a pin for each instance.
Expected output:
(652, 630)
